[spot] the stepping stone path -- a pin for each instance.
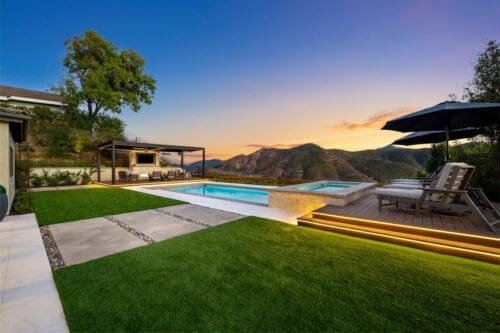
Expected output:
(80, 241)
(84, 240)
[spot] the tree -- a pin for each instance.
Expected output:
(102, 78)
(485, 86)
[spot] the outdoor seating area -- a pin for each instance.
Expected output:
(128, 176)
(368, 208)
(448, 193)
(144, 163)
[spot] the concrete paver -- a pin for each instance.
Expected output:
(84, 240)
(29, 301)
(157, 225)
(206, 215)
(89, 239)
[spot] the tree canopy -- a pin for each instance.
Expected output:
(485, 85)
(102, 78)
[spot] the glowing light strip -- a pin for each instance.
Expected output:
(493, 256)
(409, 227)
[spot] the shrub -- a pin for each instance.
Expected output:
(73, 163)
(58, 141)
(36, 180)
(22, 199)
(62, 178)
(86, 177)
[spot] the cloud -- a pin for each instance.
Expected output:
(375, 121)
(274, 145)
(208, 156)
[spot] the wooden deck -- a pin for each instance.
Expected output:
(367, 208)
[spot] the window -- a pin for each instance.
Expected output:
(11, 162)
(146, 158)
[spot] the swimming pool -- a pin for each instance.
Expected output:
(257, 196)
(326, 187)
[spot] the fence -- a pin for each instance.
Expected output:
(487, 173)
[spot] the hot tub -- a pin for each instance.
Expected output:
(310, 196)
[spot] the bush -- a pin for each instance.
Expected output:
(254, 180)
(22, 199)
(87, 176)
(62, 178)
(73, 163)
(36, 180)
(58, 142)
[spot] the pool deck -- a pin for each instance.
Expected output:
(222, 204)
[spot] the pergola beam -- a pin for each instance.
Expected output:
(203, 164)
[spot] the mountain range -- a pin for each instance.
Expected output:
(311, 162)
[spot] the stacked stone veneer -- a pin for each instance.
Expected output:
(303, 202)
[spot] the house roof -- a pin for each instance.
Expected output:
(130, 145)
(31, 96)
(18, 122)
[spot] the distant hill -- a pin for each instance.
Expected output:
(209, 164)
(310, 161)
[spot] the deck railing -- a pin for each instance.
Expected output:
(487, 173)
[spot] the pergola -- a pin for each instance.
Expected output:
(130, 145)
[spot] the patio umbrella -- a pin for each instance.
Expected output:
(447, 116)
(426, 137)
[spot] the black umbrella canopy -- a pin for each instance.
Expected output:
(426, 137)
(447, 115)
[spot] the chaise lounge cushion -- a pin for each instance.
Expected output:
(400, 193)
(405, 180)
(404, 186)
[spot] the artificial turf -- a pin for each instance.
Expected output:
(70, 205)
(260, 275)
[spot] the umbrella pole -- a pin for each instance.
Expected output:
(447, 150)
(434, 156)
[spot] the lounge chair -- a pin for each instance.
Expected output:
(122, 176)
(180, 174)
(426, 180)
(447, 192)
(413, 184)
(171, 175)
(155, 175)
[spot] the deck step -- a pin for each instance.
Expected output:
(463, 245)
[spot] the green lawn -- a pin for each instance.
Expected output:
(70, 205)
(260, 275)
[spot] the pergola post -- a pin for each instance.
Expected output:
(182, 159)
(113, 163)
(98, 165)
(203, 164)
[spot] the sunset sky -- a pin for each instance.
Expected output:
(234, 76)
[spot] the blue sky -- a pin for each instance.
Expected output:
(235, 75)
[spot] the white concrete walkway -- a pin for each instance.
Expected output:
(29, 301)
(227, 205)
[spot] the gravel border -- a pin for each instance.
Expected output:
(190, 220)
(56, 260)
(183, 218)
(130, 229)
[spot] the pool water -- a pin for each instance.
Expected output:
(228, 192)
(325, 187)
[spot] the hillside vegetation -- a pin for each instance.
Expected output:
(310, 161)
